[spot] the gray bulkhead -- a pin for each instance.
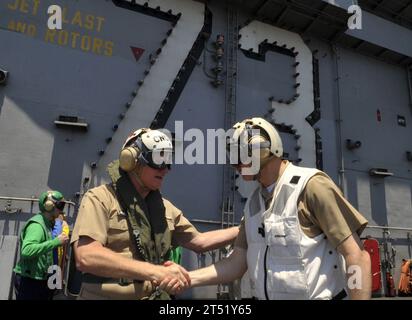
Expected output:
(361, 98)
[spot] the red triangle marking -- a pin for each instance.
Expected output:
(138, 52)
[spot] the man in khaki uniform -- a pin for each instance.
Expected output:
(125, 230)
(297, 229)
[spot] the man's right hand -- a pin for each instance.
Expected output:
(174, 278)
(63, 238)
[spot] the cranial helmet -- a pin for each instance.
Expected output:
(251, 134)
(146, 147)
(50, 200)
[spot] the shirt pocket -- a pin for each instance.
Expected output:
(275, 233)
(283, 237)
(118, 236)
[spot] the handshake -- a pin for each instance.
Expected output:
(172, 278)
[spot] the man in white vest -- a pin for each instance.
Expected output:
(300, 236)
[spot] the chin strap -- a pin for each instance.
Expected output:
(139, 181)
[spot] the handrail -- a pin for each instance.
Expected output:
(211, 222)
(389, 228)
(370, 227)
(31, 200)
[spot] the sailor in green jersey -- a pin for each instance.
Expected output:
(36, 249)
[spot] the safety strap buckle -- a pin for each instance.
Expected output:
(155, 294)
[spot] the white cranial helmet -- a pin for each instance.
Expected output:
(255, 133)
(147, 147)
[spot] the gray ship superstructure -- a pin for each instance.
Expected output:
(340, 96)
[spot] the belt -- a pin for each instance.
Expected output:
(91, 278)
(340, 296)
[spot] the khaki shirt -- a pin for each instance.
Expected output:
(100, 217)
(322, 209)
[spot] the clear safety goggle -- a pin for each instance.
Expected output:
(243, 153)
(238, 154)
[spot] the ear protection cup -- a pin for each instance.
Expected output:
(128, 159)
(260, 143)
(131, 156)
(49, 205)
(263, 145)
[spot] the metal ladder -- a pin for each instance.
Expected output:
(409, 71)
(228, 212)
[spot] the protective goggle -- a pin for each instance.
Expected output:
(158, 159)
(240, 154)
(60, 205)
